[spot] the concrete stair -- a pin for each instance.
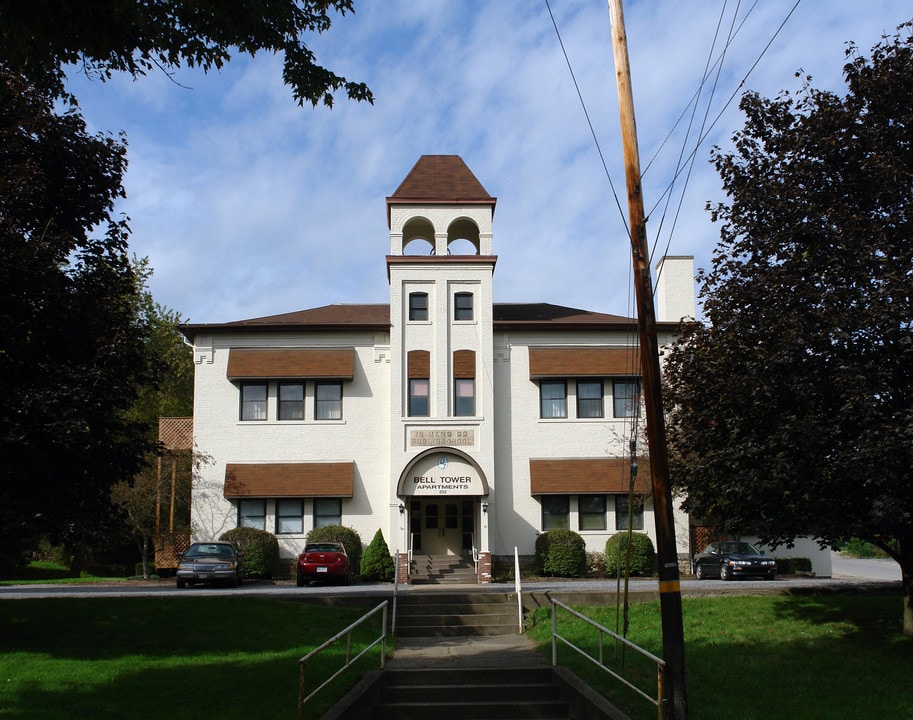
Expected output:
(442, 570)
(470, 694)
(456, 614)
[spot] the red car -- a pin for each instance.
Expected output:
(324, 561)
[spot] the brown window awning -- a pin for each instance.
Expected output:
(289, 363)
(288, 480)
(583, 476)
(464, 364)
(583, 362)
(419, 362)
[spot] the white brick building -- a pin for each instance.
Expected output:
(456, 425)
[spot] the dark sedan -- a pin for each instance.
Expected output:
(209, 562)
(729, 559)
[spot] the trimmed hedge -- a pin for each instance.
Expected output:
(259, 551)
(561, 553)
(377, 563)
(793, 565)
(643, 554)
(350, 539)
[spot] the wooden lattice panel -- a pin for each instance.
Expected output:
(168, 549)
(703, 536)
(176, 433)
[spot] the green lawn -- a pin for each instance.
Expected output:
(821, 657)
(748, 658)
(175, 658)
(40, 571)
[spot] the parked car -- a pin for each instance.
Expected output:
(209, 562)
(731, 558)
(324, 561)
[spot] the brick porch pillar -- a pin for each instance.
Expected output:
(484, 567)
(402, 569)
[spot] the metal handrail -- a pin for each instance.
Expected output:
(603, 631)
(347, 633)
(395, 592)
(518, 589)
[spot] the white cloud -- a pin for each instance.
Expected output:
(248, 205)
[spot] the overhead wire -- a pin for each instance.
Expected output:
(707, 128)
(695, 105)
(586, 113)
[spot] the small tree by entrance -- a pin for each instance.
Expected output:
(376, 563)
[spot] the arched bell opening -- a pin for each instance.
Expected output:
(418, 237)
(463, 237)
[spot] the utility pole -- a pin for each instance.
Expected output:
(670, 593)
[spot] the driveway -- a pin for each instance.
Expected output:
(869, 569)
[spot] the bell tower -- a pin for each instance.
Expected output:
(440, 269)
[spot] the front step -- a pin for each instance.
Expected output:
(442, 570)
(456, 615)
(461, 694)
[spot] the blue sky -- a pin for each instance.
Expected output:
(248, 205)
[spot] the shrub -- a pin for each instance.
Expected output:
(259, 551)
(793, 565)
(643, 554)
(561, 553)
(377, 563)
(595, 564)
(854, 547)
(350, 539)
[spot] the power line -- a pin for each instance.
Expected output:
(728, 102)
(587, 115)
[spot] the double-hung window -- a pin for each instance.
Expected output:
(464, 383)
(591, 511)
(462, 306)
(252, 513)
(464, 391)
(418, 306)
(621, 513)
(418, 397)
(289, 517)
(556, 512)
(327, 511)
(419, 371)
(328, 401)
(626, 395)
(589, 398)
(253, 401)
(553, 399)
(291, 401)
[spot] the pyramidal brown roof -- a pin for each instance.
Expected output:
(440, 178)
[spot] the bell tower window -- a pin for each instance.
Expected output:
(418, 306)
(462, 306)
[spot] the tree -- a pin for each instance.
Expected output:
(41, 38)
(152, 497)
(169, 390)
(137, 501)
(71, 356)
(791, 410)
(377, 563)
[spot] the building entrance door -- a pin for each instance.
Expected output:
(442, 527)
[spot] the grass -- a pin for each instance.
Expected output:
(826, 657)
(176, 658)
(42, 571)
